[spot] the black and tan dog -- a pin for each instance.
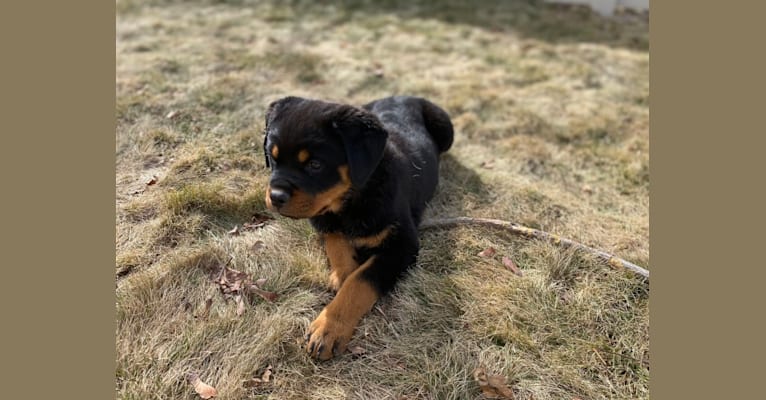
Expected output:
(363, 177)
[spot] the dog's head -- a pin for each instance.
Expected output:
(318, 152)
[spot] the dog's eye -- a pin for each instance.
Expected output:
(314, 165)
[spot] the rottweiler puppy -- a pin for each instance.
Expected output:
(362, 176)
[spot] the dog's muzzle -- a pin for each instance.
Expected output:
(279, 197)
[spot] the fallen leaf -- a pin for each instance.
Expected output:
(487, 164)
(260, 282)
(233, 283)
(488, 252)
(357, 350)
(265, 378)
(171, 114)
(258, 218)
(267, 374)
(152, 180)
(270, 296)
(253, 226)
(227, 276)
(492, 386)
(240, 305)
(511, 266)
(204, 390)
(252, 382)
(257, 221)
(234, 231)
(257, 246)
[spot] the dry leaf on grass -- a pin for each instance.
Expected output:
(261, 217)
(492, 386)
(171, 114)
(227, 277)
(487, 164)
(251, 227)
(233, 283)
(204, 390)
(488, 252)
(267, 374)
(357, 350)
(234, 231)
(258, 218)
(240, 305)
(256, 222)
(265, 378)
(511, 266)
(270, 296)
(152, 180)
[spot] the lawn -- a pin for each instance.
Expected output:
(551, 112)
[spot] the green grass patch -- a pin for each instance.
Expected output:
(211, 201)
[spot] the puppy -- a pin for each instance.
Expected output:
(362, 176)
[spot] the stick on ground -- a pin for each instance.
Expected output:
(535, 234)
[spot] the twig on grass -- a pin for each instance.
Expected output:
(535, 234)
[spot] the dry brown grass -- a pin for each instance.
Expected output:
(555, 98)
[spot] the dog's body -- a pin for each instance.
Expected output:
(363, 177)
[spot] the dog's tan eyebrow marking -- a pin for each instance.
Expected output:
(303, 155)
(275, 152)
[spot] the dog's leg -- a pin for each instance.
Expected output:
(340, 254)
(331, 331)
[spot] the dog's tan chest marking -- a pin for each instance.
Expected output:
(372, 241)
(341, 253)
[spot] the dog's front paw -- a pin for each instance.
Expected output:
(328, 336)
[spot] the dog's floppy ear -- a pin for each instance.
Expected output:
(265, 152)
(364, 138)
(271, 114)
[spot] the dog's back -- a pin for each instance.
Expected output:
(418, 132)
(406, 115)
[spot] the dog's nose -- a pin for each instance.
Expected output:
(279, 197)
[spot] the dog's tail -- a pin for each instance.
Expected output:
(438, 125)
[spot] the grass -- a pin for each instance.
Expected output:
(550, 106)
